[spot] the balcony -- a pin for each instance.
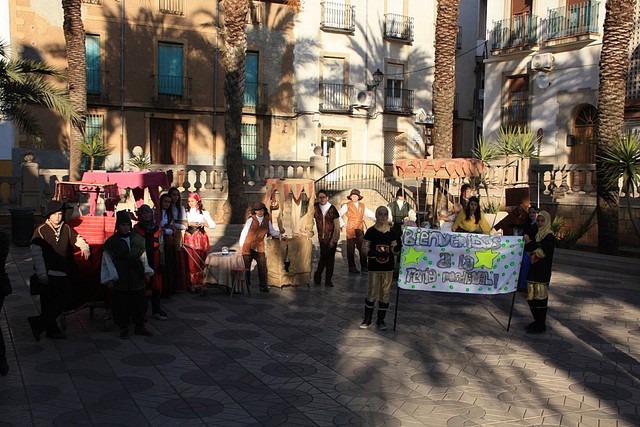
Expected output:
(172, 90)
(338, 17)
(519, 32)
(335, 97)
(255, 96)
(97, 86)
(516, 115)
(571, 22)
(171, 7)
(398, 27)
(98, 2)
(399, 101)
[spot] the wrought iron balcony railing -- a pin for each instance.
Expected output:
(172, 7)
(174, 90)
(255, 95)
(338, 17)
(574, 20)
(517, 31)
(516, 115)
(398, 27)
(335, 97)
(398, 100)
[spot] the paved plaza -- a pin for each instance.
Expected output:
(296, 357)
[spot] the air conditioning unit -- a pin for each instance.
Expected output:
(542, 61)
(362, 99)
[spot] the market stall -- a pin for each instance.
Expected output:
(291, 206)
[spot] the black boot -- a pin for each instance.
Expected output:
(382, 312)
(541, 319)
(533, 305)
(368, 314)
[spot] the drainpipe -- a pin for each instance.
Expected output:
(122, 86)
(215, 78)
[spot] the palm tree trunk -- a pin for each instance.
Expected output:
(614, 60)
(76, 77)
(444, 81)
(234, 57)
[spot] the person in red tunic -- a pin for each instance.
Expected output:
(154, 244)
(256, 228)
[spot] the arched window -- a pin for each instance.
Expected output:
(584, 128)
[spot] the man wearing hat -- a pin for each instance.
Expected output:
(355, 212)
(52, 247)
(125, 270)
(256, 228)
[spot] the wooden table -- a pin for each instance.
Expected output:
(217, 270)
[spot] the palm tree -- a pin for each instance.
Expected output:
(614, 59)
(234, 58)
(22, 83)
(622, 160)
(444, 80)
(76, 77)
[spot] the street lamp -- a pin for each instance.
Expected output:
(377, 79)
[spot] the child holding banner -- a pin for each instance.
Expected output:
(541, 251)
(381, 246)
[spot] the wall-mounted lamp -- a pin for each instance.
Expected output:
(571, 140)
(377, 79)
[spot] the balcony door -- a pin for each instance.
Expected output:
(335, 94)
(394, 88)
(168, 141)
(251, 80)
(584, 125)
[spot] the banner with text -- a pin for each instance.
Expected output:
(434, 260)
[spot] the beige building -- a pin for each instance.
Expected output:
(353, 78)
(155, 79)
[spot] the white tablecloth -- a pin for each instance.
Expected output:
(218, 268)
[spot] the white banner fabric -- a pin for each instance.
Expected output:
(468, 263)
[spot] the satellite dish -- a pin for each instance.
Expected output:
(542, 80)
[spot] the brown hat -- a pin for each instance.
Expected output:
(259, 206)
(356, 192)
(55, 206)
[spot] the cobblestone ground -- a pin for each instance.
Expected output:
(296, 357)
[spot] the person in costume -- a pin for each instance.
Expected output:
(154, 243)
(179, 222)
(540, 248)
(381, 246)
(126, 271)
(327, 221)
(171, 232)
(516, 221)
(355, 212)
(471, 219)
(52, 247)
(196, 241)
(255, 229)
(398, 211)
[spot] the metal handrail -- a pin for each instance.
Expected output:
(363, 176)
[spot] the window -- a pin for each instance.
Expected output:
(251, 80)
(395, 147)
(93, 133)
(255, 12)
(168, 141)
(172, 7)
(584, 125)
(92, 48)
(516, 112)
(249, 146)
(394, 88)
(170, 63)
(335, 94)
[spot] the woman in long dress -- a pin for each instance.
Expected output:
(196, 241)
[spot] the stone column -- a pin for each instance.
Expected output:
(318, 163)
(30, 196)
